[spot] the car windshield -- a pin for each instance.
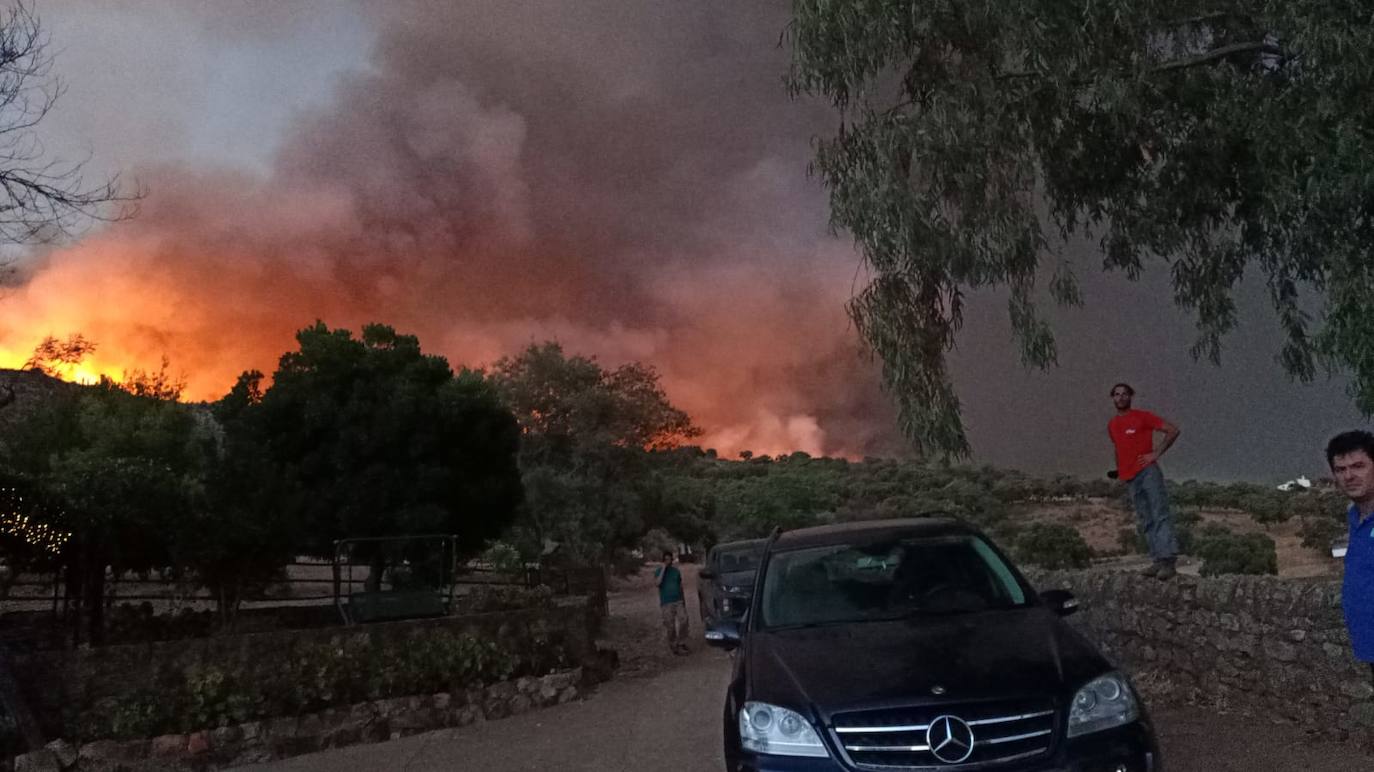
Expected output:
(887, 580)
(732, 559)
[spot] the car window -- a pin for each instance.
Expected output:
(738, 559)
(893, 579)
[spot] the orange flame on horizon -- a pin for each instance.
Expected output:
(214, 314)
(118, 363)
(87, 372)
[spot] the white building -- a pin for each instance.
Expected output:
(1301, 482)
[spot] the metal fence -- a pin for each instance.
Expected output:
(304, 582)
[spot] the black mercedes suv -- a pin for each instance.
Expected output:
(916, 645)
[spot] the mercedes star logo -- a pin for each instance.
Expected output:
(950, 739)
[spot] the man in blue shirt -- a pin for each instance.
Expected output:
(672, 604)
(1351, 456)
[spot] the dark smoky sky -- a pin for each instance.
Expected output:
(627, 177)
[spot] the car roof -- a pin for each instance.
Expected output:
(867, 531)
(733, 545)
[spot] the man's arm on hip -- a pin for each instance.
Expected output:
(1171, 433)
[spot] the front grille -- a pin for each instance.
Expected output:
(1002, 731)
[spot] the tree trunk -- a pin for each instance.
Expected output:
(376, 568)
(72, 577)
(230, 597)
(94, 600)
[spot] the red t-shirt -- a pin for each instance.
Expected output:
(1133, 434)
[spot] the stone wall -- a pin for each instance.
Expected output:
(259, 741)
(1275, 648)
(112, 691)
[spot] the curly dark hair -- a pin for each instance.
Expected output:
(1349, 442)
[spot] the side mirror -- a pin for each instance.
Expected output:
(1061, 602)
(706, 573)
(724, 634)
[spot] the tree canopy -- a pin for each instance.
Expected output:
(356, 437)
(117, 474)
(979, 138)
(382, 439)
(566, 402)
(586, 437)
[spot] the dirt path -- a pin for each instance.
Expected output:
(664, 712)
(635, 631)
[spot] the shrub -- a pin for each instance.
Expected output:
(1187, 516)
(1053, 546)
(1225, 552)
(656, 542)
(1007, 533)
(1265, 506)
(129, 623)
(314, 676)
(482, 599)
(1318, 503)
(503, 556)
(1131, 541)
(1319, 533)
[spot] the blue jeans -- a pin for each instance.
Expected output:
(1156, 521)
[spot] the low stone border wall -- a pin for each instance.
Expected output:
(1274, 648)
(105, 692)
(260, 741)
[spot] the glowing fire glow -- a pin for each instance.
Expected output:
(214, 313)
(485, 192)
(89, 371)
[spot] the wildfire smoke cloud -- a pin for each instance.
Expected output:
(499, 176)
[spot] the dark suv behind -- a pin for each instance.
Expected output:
(726, 582)
(915, 644)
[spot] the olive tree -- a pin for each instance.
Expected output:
(979, 137)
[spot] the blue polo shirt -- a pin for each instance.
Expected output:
(1357, 590)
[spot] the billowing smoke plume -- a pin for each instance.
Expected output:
(626, 178)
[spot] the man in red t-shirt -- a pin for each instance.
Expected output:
(1133, 433)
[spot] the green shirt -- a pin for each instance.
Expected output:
(670, 591)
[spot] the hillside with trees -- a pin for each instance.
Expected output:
(546, 456)
(1052, 522)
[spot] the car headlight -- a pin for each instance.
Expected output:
(765, 728)
(1102, 704)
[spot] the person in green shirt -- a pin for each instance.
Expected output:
(672, 604)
